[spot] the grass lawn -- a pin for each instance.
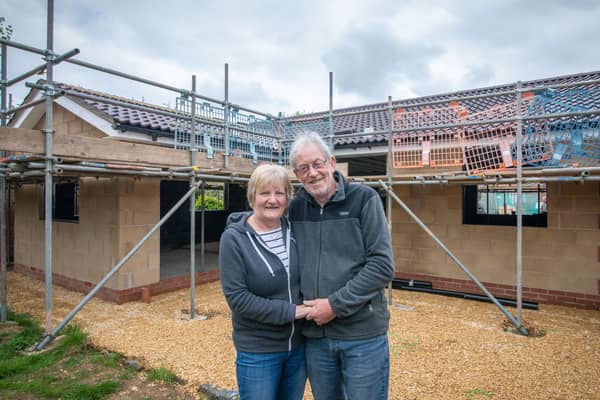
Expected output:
(70, 368)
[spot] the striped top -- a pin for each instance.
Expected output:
(274, 241)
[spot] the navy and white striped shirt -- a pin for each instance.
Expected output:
(274, 241)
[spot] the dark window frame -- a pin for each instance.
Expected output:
(471, 216)
(65, 202)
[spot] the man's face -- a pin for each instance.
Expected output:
(315, 172)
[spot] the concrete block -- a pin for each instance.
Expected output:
(401, 239)
(74, 127)
(560, 204)
(587, 204)
(431, 256)
(553, 220)
(399, 215)
(402, 191)
(579, 189)
(586, 238)
(145, 277)
(579, 220)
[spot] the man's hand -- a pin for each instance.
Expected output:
(301, 311)
(321, 311)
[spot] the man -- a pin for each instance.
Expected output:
(345, 264)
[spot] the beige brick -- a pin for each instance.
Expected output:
(457, 231)
(578, 189)
(145, 277)
(455, 202)
(405, 254)
(74, 127)
(401, 239)
(549, 237)
(399, 215)
(581, 221)
(587, 238)
(402, 265)
(434, 256)
(587, 204)
(553, 220)
(503, 248)
(402, 190)
(553, 189)
(560, 203)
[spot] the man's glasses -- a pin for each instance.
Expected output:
(304, 169)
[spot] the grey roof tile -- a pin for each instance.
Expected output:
(125, 117)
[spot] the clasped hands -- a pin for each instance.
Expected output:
(318, 310)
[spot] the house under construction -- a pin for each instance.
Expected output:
(502, 181)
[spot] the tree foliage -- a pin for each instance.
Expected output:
(212, 203)
(5, 30)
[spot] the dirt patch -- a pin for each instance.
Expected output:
(445, 348)
(138, 388)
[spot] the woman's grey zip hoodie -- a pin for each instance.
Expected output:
(260, 291)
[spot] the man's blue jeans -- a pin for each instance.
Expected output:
(348, 369)
(271, 376)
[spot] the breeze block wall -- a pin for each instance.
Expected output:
(561, 263)
(114, 214)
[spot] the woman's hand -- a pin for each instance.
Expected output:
(302, 311)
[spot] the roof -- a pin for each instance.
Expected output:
(378, 120)
(162, 122)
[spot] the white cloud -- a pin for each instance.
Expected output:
(280, 53)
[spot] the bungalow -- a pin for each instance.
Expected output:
(452, 161)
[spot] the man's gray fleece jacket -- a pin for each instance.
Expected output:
(260, 291)
(346, 256)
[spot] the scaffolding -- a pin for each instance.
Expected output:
(540, 127)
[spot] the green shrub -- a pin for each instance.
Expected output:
(212, 203)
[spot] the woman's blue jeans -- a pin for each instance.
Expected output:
(271, 376)
(348, 369)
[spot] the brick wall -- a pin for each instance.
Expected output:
(580, 300)
(561, 264)
(123, 295)
(114, 214)
(67, 123)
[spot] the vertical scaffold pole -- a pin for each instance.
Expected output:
(330, 141)
(3, 209)
(388, 197)
(48, 185)
(519, 205)
(415, 218)
(53, 333)
(193, 205)
(226, 118)
(3, 247)
(202, 221)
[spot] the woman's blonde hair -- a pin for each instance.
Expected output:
(265, 175)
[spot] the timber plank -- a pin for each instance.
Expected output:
(110, 150)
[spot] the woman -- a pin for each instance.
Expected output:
(258, 262)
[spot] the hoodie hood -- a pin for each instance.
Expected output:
(237, 218)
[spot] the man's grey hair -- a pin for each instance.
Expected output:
(304, 139)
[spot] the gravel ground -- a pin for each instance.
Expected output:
(445, 348)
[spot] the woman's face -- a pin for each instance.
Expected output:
(270, 202)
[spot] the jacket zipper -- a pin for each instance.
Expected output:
(320, 244)
(287, 271)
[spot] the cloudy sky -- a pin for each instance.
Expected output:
(280, 52)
